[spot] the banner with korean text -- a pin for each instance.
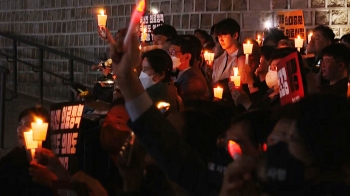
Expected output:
(292, 23)
(65, 126)
(150, 22)
(289, 79)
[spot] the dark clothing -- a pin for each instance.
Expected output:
(104, 93)
(339, 89)
(165, 92)
(179, 161)
(15, 178)
(256, 96)
(191, 85)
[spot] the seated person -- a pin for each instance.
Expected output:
(15, 178)
(334, 67)
(156, 79)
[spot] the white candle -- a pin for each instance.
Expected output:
(247, 49)
(30, 143)
(102, 19)
(218, 92)
(298, 42)
(39, 130)
(236, 78)
(309, 37)
(208, 56)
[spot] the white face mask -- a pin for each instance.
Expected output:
(176, 62)
(271, 79)
(146, 80)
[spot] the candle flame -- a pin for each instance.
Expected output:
(258, 37)
(248, 42)
(298, 36)
(102, 12)
(141, 6)
(154, 11)
(140, 47)
(39, 121)
(235, 71)
(310, 34)
(162, 105)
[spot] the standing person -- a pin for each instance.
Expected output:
(163, 33)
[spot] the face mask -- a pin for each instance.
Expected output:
(146, 80)
(176, 62)
(271, 79)
(282, 169)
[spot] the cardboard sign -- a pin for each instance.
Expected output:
(150, 22)
(65, 124)
(292, 23)
(289, 79)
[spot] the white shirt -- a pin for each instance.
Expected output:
(219, 64)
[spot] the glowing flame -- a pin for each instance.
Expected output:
(298, 36)
(248, 42)
(141, 6)
(102, 12)
(39, 121)
(154, 11)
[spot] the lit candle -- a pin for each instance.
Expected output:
(163, 106)
(208, 56)
(135, 20)
(259, 40)
(39, 131)
(247, 49)
(298, 42)
(102, 19)
(30, 143)
(218, 92)
(236, 78)
(309, 37)
(144, 34)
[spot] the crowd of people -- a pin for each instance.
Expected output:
(245, 143)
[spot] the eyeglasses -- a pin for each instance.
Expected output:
(173, 52)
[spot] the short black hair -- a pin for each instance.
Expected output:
(339, 52)
(274, 35)
(166, 30)
(266, 51)
(228, 26)
(213, 29)
(185, 47)
(35, 111)
(196, 47)
(160, 61)
(326, 32)
(345, 38)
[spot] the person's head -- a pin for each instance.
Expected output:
(119, 35)
(202, 35)
(345, 39)
(266, 52)
(335, 62)
(196, 49)
(322, 36)
(162, 33)
(228, 32)
(26, 117)
(250, 130)
(156, 67)
(180, 52)
(273, 36)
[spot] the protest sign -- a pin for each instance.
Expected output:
(289, 79)
(65, 124)
(150, 22)
(292, 23)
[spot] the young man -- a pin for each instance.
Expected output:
(163, 33)
(190, 82)
(334, 66)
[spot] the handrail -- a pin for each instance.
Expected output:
(13, 58)
(45, 48)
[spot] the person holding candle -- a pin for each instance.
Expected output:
(14, 174)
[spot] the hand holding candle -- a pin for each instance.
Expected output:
(236, 78)
(218, 92)
(298, 43)
(247, 49)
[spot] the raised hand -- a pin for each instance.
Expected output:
(41, 174)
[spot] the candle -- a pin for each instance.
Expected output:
(247, 49)
(39, 131)
(259, 40)
(309, 37)
(298, 42)
(135, 20)
(218, 92)
(163, 106)
(102, 19)
(30, 143)
(234, 149)
(208, 56)
(144, 34)
(348, 93)
(236, 78)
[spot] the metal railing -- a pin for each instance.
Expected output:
(13, 58)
